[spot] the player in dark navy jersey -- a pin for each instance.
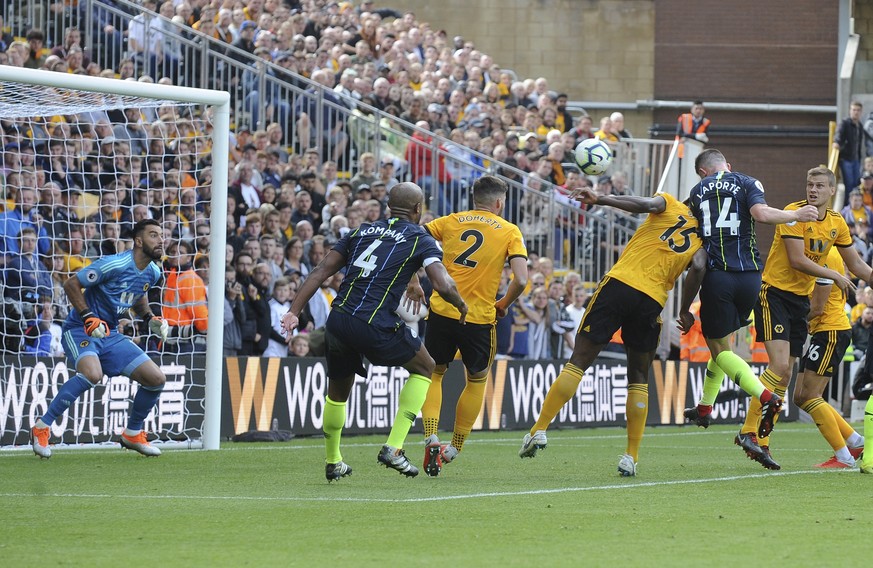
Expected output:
(378, 260)
(113, 285)
(727, 205)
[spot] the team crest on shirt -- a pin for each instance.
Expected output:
(145, 287)
(779, 328)
(85, 343)
(833, 233)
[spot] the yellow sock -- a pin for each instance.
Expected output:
(559, 393)
(846, 429)
(753, 414)
(780, 390)
(637, 411)
(824, 419)
(467, 411)
(430, 412)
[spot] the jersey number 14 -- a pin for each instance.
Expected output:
(727, 219)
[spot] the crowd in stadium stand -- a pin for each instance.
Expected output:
(288, 202)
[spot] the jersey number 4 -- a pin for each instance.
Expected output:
(726, 218)
(366, 261)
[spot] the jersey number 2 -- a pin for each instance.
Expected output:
(464, 258)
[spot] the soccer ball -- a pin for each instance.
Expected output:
(593, 156)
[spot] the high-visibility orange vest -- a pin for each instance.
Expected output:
(692, 344)
(757, 351)
(687, 122)
(184, 300)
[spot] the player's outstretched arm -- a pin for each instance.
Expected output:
(325, 269)
(516, 286)
(690, 287)
(818, 299)
(772, 216)
(629, 203)
(798, 261)
(445, 285)
(855, 263)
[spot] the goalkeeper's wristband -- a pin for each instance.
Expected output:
(87, 314)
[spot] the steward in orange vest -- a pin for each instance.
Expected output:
(692, 125)
(692, 344)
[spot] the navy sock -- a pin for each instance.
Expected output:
(145, 399)
(70, 391)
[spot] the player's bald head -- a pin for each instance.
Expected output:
(404, 197)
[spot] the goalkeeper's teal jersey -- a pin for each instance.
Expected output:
(112, 285)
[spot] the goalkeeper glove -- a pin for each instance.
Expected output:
(158, 326)
(94, 326)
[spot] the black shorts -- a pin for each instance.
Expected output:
(825, 352)
(616, 305)
(349, 339)
(726, 301)
(782, 315)
(476, 341)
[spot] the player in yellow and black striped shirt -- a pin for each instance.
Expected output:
(797, 257)
(831, 334)
(631, 296)
(476, 244)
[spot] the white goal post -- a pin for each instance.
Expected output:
(27, 93)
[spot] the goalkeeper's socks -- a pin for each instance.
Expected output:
(67, 395)
(145, 399)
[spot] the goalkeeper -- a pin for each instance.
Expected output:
(101, 293)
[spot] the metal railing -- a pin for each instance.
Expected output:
(585, 241)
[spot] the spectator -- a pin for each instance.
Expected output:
(23, 215)
(280, 302)
(861, 238)
(432, 178)
(333, 137)
(849, 140)
(617, 119)
(234, 313)
(293, 261)
(366, 171)
(866, 189)
(861, 330)
(183, 303)
(28, 286)
(299, 345)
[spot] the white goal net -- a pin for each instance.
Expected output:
(82, 160)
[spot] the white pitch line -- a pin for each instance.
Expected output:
(17, 451)
(423, 499)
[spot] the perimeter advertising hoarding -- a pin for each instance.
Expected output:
(29, 383)
(292, 391)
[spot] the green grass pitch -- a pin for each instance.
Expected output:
(697, 500)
